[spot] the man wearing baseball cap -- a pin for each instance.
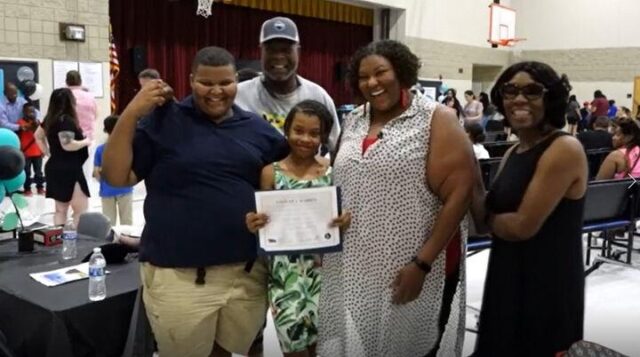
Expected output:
(279, 88)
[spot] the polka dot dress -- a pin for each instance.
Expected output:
(393, 212)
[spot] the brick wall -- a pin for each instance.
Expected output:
(445, 58)
(30, 29)
(590, 65)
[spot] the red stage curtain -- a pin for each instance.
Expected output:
(171, 33)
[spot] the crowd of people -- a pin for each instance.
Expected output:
(408, 172)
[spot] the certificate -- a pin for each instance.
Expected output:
(299, 221)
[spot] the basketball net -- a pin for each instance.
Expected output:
(509, 42)
(204, 8)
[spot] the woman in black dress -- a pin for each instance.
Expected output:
(61, 137)
(533, 302)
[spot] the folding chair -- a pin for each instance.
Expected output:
(93, 225)
(489, 169)
(595, 157)
(609, 205)
(498, 148)
(475, 245)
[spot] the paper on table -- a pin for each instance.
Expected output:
(298, 219)
(63, 275)
(127, 230)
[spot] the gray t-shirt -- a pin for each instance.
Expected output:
(254, 97)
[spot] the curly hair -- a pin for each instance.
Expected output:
(405, 64)
(629, 127)
(311, 107)
(555, 99)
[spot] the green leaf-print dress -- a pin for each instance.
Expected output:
(294, 282)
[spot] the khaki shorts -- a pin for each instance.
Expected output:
(230, 308)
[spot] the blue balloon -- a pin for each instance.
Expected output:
(14, 184)
(2, 192)
(8, 137)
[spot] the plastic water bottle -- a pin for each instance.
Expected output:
(97, 276)
(69, 239)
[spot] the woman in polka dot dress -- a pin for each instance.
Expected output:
(406, 171)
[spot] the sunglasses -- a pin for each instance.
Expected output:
(531, 91)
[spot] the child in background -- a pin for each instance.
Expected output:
(32, 153)
(476, 135)
(116, 201)
(294, 281)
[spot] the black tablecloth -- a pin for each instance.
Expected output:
(62, 321)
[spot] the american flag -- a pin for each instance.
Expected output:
(114, 69)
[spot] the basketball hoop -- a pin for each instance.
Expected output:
(507, 42)
(204, 8)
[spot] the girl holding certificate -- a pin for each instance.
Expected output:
(294, 281)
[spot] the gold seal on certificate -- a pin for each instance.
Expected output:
(299, 220)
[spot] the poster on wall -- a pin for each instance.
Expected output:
(23, 74)
(90, 72)
(430, 88)
(60, 69)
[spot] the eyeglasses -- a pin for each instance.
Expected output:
(531, 91)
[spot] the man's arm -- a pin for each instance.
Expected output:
(4, 120)
(117, 159)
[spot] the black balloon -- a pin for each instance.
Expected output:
(11, 162)
(28, 87)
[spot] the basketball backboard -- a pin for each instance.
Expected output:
(502, 25)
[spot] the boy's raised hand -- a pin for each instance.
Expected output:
(255, 221)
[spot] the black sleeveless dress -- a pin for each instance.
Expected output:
(533, 302)
(64, 168)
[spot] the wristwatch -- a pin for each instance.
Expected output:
(424, 266)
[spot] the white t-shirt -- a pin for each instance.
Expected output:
(480, 151)
(254, 97)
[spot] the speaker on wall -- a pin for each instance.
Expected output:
(138, 59)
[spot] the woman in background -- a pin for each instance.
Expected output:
(473, 109)
(624, 160)
(573, 114)
(60, 136)
(476, 135)
(453, 103)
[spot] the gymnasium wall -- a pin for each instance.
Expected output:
(29, 31)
